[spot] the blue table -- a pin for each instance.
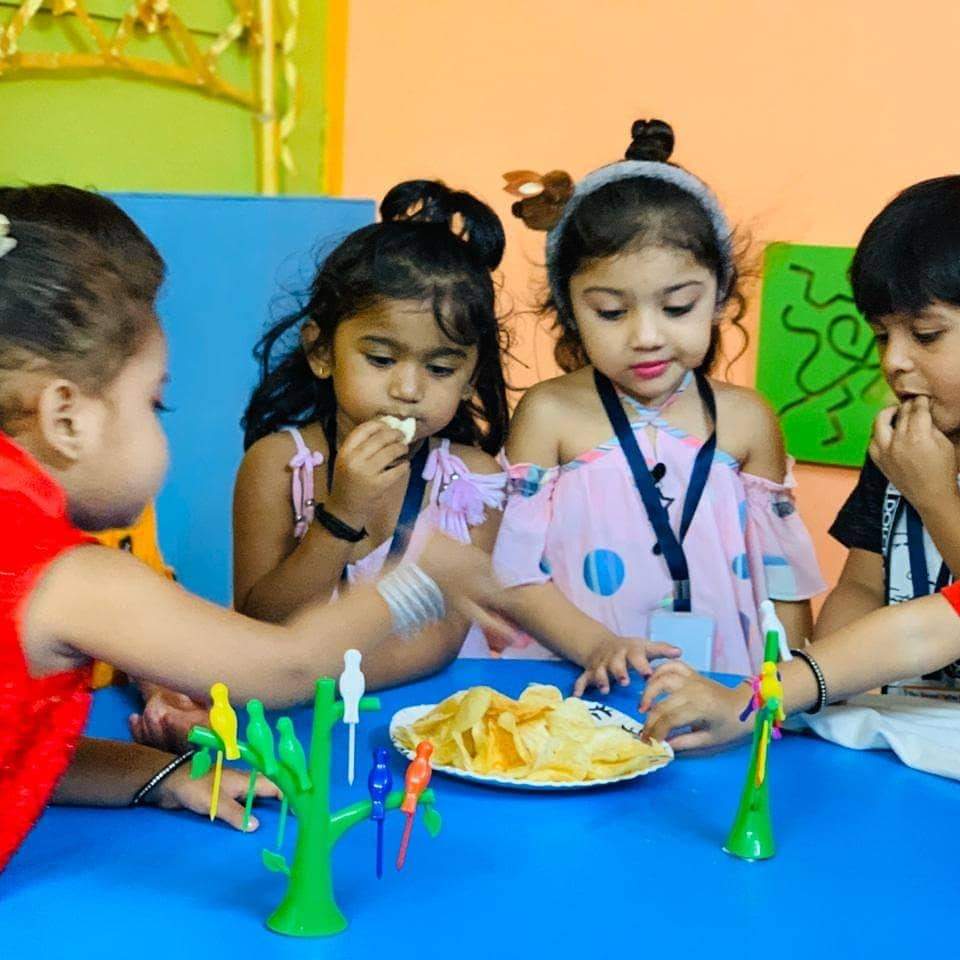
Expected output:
(866, 864)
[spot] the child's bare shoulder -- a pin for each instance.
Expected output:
(549, 414)
(553, 400)
(266, 461)
(476, 460)
(276, 450)
(748, 428)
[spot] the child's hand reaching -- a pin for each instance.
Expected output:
(167, 718)
(614, 656)
(914, 455)
(178, 791)
(711, 709)
(465, 575)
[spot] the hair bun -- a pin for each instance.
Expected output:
(466, 217)
(652, 140)
(425, 201)
(540, 210)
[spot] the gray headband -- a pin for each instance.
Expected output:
(628, 170)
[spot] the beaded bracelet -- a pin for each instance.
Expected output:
(160, 775)
(822, 697)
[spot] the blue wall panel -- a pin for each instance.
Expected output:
(232, 264)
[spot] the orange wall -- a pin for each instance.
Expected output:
(805, 118)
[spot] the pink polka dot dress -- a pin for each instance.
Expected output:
(583, 526)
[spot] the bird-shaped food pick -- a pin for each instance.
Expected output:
(416, 779)
(768, 700)
(352, 685)
(260, 737)
(223, 722)
(291, 753)
(379, 783)
(771, 707)
(770, 621)
(293, 758)
(771, 696)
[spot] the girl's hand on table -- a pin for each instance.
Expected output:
(710, 709)
(614, 656)
(178, 791)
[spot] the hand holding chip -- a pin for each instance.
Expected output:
(614, 656)
(371, 460)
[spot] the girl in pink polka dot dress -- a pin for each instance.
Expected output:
(641, 270)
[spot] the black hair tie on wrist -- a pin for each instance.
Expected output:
(336, 527)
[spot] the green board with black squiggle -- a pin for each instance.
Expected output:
(817, 362)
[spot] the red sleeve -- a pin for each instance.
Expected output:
(41, 718)
(32, 541)
(952, 596)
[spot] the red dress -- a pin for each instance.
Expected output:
(40, 720)
(952, 595)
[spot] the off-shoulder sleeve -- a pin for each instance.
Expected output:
(777, 530)
(518, 555)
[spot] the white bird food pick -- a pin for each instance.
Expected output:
(352, 685)
(770, 621)
(407, 426)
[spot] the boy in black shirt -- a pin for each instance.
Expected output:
(901, 524)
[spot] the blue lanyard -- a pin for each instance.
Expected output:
(919, 574)
(412, 500)
(671, 546)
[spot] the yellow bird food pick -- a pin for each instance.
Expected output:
(223, 722)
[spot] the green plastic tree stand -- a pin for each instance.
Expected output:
(309, 907)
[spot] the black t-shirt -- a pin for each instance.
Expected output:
(859, 523)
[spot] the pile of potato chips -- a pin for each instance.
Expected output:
(541, 737)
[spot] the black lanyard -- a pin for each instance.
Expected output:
(670, 545)
(919, 573)
(412, 499)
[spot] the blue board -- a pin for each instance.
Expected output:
(232, 264)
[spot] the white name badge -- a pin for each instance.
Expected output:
(691, 632)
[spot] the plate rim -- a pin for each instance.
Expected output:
(512, 783)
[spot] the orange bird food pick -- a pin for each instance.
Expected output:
(417, 777)
(223, 722)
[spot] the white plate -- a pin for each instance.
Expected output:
(604, 715)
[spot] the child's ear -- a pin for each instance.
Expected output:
(69, 420)
(317, 352)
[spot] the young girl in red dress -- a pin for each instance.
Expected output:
(82, 368)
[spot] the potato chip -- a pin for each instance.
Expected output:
(508, 722)
(540, 737)
(473, 708)
(540, 691)
(504, 756)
